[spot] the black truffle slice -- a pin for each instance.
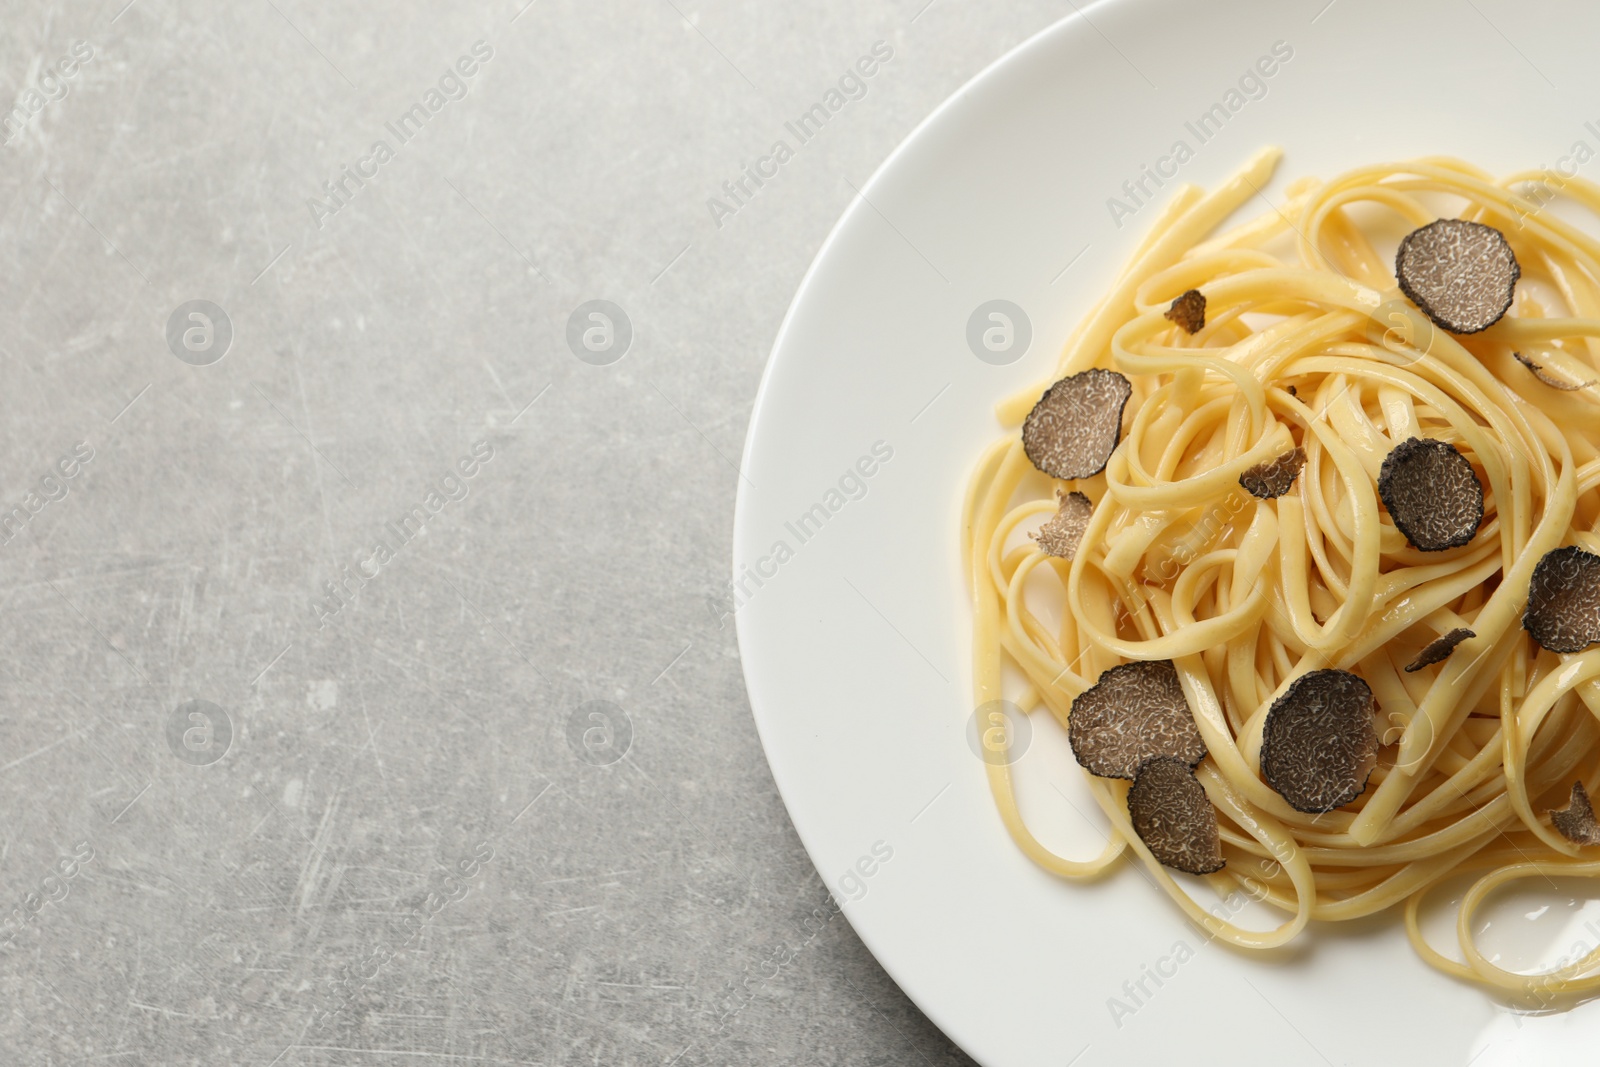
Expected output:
(1439, 649)
(1274, 477)
(1563, 612)
(1460, 274)
(1073, 429)
(1173, 817)
(1318, 745)
(1134, 712)
(1576, 820)
(1432, 494)
(1064, 532)
(1189, 311)
(1549, 379)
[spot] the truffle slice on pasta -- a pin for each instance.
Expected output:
(1189, 311)
(1461, 274)
(1563, 612)
(1439, 649)
(1173, 816)
(1576, 820)
(1318, 745)
(1432, 493)
(1538, 371)
(1135, 712)
(1274, 477)
(1062, 534)
(1073, 429)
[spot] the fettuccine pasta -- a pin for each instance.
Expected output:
(1308, 343)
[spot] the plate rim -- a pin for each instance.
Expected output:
(743, 507)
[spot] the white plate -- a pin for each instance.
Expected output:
(855, 644)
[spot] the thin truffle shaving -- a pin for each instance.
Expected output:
(1538, 371)
(1189, 311)
(1439, 649)
(1061, 535)
(1576, 820)
(1274, 477)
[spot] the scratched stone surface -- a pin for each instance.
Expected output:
(361, 702)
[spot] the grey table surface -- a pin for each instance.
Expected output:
(288, 780)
